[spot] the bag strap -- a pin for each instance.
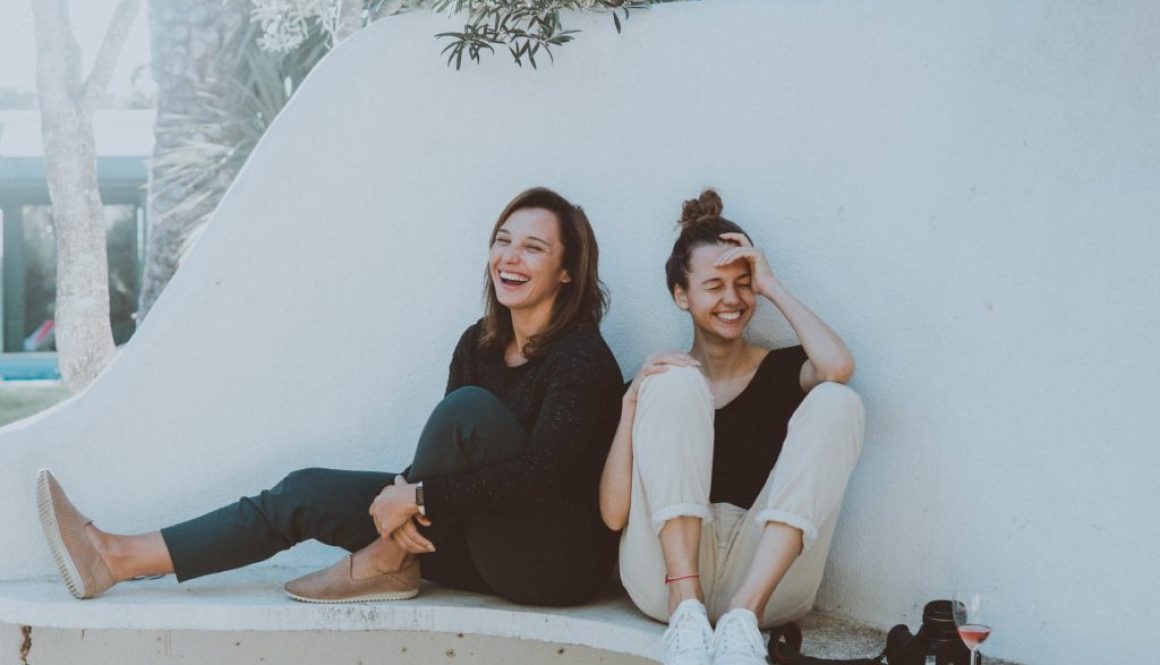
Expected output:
(785, 644)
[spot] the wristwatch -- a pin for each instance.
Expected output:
(419, 502)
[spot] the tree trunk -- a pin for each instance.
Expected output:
(84, 337)
(190, 42)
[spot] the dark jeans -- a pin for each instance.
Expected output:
(552, 553)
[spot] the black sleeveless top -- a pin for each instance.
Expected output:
(749, 431)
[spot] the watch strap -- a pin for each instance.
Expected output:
(420, 501)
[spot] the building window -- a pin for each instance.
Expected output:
(36, 289)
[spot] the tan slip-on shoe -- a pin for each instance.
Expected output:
(336, 584)
(84, 572)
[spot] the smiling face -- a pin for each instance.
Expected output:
(526, 263)
(720, 299)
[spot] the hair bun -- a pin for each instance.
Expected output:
(705, 207)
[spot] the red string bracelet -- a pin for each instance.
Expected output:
(669, 580)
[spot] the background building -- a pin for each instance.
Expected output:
(124, 139)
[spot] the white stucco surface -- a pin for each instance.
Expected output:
(969, 192)
(252, 600)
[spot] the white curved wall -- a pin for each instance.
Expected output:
(967, 191)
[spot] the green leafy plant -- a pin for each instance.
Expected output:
(214, 142)
(526, 28)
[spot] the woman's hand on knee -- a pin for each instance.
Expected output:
(655, 364)
(394, 507)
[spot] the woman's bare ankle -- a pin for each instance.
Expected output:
(380, 557)
(682, 590)
(745, 599)
(130, 557)
(109, 550)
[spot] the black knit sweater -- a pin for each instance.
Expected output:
(568, 399)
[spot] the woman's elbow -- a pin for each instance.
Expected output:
(838, 372)
(613, 524)
(614, 517)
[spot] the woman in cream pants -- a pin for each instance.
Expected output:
(729, 466)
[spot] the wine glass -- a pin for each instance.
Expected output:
(972, 611)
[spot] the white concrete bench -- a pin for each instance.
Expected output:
(244, 602)
(251, 600)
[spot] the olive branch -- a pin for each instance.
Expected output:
(526, 28)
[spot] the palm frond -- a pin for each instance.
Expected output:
(213, 143)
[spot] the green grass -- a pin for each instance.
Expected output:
(19, 400)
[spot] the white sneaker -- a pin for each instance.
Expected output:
(689, 639)
(738, 640)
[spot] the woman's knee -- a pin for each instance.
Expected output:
(302, 483)
(834, 413)
(325, 504)
(469, 399)
(461, 407)
(838, 398)
(677, 387)
(672, 436)
(467, 404)
(470, 427)
(291, 507)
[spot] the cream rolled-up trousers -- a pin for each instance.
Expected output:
(672, 444)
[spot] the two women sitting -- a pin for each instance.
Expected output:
(725, 474)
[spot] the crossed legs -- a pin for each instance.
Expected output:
(469, 428)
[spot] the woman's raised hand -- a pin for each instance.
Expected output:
(655, 364)
(759, 270)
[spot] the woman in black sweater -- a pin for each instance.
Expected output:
(501, 496)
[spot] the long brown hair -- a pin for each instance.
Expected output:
(701, 224)
(581, 300)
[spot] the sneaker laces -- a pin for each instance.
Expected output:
(738, 635)
(689, 635)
